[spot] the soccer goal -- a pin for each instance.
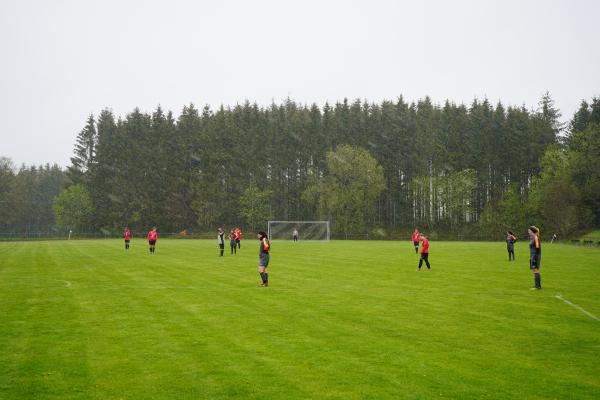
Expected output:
(307, 230)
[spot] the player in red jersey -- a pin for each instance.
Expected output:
(238, 237)
(424, 252)
(415, 239)
(127, 237)
(152, 238)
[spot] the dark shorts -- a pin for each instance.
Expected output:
(237, 240)
(416, 244)
(152, 242)
(535, 261)
(264, 260)
(221, 245)
(126, 240)
(424, 256)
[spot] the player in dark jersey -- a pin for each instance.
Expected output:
(221, 240)
(263, 257)
(510, 245)
(152, 238)
(535, 255)
(415, 239)
(232, 242)
(424, 252)
(127, 237)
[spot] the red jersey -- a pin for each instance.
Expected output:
(238, 234)
(425, 246)
(127, 234)
(152, 235)
(415, 237)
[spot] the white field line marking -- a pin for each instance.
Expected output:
(589, 314)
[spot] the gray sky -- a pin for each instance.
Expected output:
(62, 60)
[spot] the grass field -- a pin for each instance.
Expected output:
(340, 320)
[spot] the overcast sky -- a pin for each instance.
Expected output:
(62, 60)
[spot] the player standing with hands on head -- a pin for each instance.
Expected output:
(152, 238)
(510, 245)
(424, 252)
(127, 237)
(535, 256)
(415, 239)
(263, 257)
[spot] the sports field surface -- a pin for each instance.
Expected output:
(340, 320)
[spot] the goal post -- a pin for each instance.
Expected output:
(307, 230)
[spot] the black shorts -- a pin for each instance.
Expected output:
(221, 246)
(152, 242)
(424, 256)
(264, 260)
(416, 243)
(535, 261)
(126, 240)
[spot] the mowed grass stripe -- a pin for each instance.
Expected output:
(341, 320)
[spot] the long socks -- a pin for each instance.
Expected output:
(538, 280)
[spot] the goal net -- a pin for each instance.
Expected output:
(307, 230)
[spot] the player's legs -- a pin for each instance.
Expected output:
(427, 260)
(262, 269)
(222, 248)
(416, 247)
(239, 244)
(534, 264)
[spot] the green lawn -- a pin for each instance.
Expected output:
(341, 320)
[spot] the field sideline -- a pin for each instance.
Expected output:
(341, 320)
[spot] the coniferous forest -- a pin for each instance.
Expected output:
(461, 171)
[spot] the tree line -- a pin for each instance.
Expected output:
(473, 170)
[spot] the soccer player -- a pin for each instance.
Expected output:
(263, 257)
(232, 242)
(127, 237)
(152, 238)
(238, 237)
(295, 234)
(415, 239)
(510, 245)
(535, 256)
(424, 252)
(221, 240)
